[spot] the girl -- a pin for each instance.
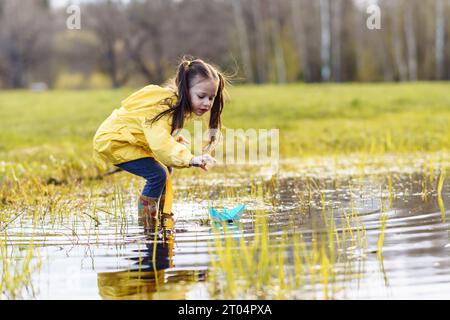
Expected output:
(139, 137)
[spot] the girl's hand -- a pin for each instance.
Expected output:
(202, 161)
(182, 140)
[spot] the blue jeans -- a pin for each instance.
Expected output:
(152, 171)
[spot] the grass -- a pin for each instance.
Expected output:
(316, 119)
(258, 268)
(17, 267)
(440, 186)
(313, 119)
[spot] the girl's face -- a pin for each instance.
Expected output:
(202, 94)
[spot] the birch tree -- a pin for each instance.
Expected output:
(276, 40)
(261, 42)
(337, 8)
(440, 39)
(410, 40)
(243, 39)
(300, 38)
(397, 43)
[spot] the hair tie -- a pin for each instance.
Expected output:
(189, 63)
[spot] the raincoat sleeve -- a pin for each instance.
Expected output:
(165, 148)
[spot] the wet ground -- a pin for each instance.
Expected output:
(367, 232)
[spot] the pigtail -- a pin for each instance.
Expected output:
(216, 112)
(183, 104)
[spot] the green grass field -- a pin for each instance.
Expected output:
(313, 119)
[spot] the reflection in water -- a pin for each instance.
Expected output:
(313, 237)
(145, 276)
(17, 265)
(333, 239)
(148, 279)
(227, 229)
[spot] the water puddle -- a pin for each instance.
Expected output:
(322, 230)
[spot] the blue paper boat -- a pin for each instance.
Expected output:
(227, 215)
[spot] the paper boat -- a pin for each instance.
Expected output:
(227, 215)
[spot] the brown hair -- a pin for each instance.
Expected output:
(188, 69)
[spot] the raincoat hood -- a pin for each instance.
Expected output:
(148, 96)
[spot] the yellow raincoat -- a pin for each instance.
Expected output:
(127, 134)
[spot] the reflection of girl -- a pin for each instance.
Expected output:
(138, 137)
(147, 278)
(143, 279)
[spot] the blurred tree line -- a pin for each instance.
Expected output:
(140, 41)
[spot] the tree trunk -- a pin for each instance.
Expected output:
(16, 68)
(388, 76)
(336, 43)
(135, 53)
(300, 39)
(411, 42)
(325, 52)
(440, 39)
(243, 40)
(276, 38)
(398, 47)
(261, 43)
(111, 65)
(159, 54)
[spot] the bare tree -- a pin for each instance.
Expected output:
(325, 27)
(411, 40)
(398, 43)
(74, 55)
(243, 39)
(440, 39)
(300, 38)
(107, 20)
(337, 11)
(200, 28)
(261, 42)
(25, 43)
(276, 40)
(378, 41)
(311, 17)
(144, 42)
(141, 40)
